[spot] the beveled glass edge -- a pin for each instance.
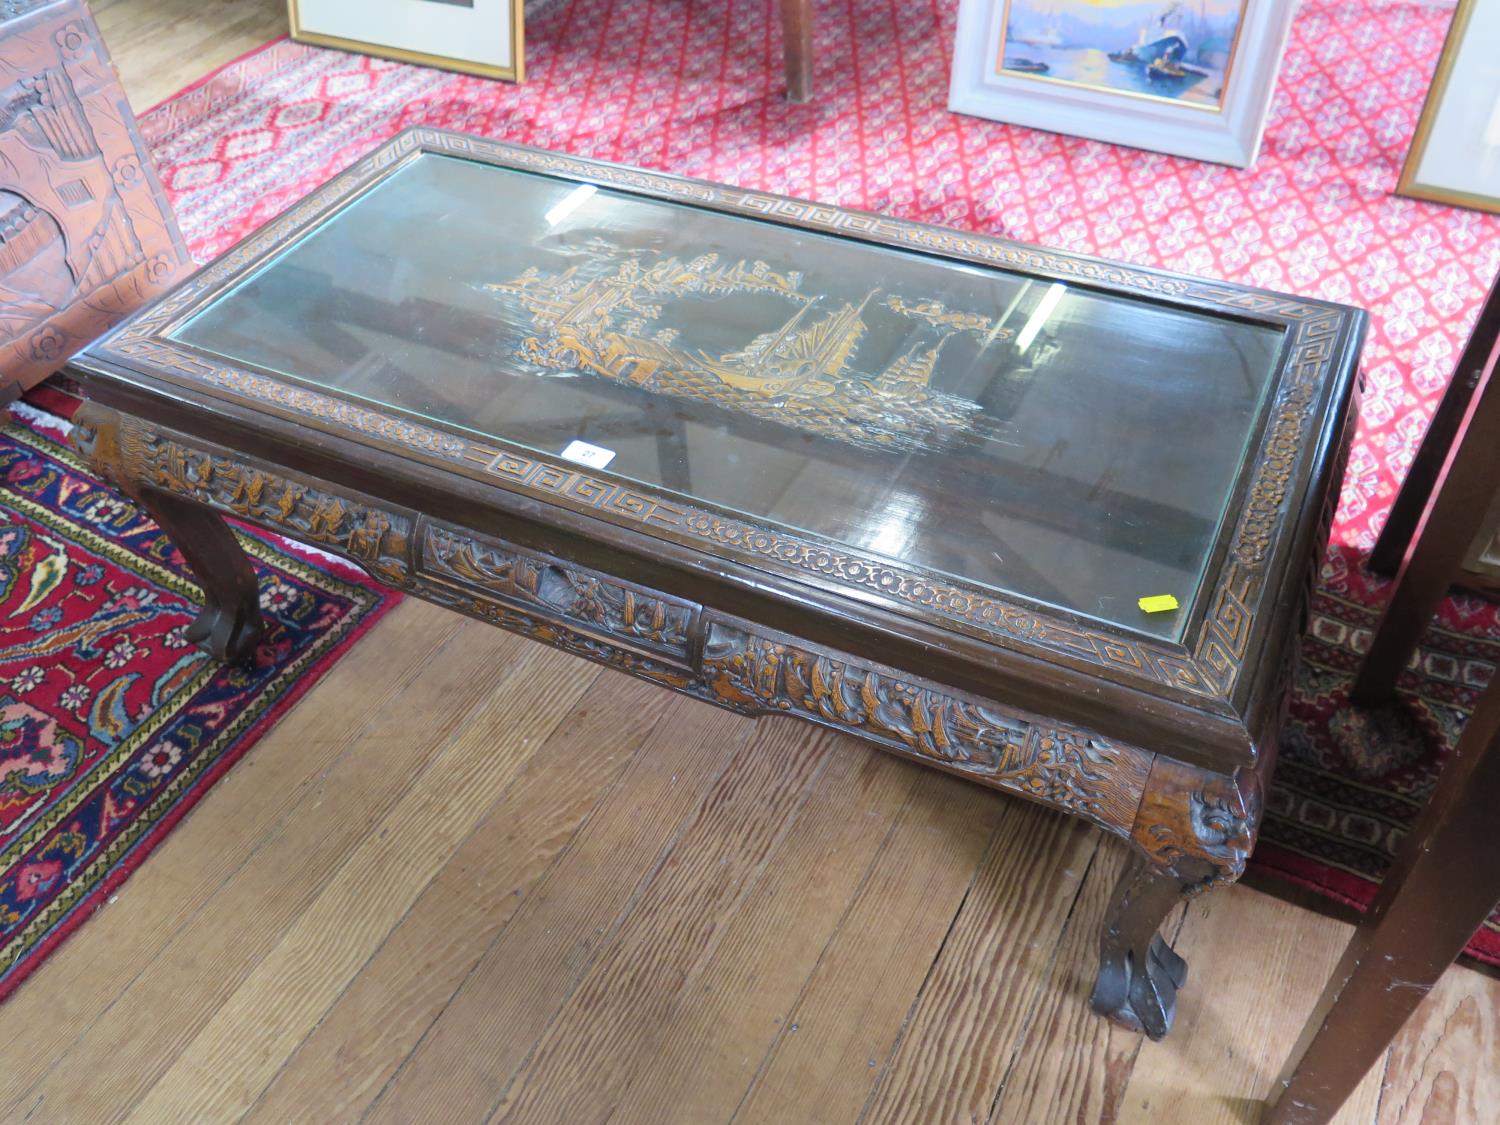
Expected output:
(1206, 667)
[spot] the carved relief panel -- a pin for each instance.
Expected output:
(86, 233)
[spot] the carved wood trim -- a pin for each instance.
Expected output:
(637, 630)
(1062, 766)
(535, 582)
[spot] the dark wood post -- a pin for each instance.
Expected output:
(1449, 522)
(1416, 489)
(796, 31)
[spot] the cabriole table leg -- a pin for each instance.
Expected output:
(230, 623)
(1194, 831)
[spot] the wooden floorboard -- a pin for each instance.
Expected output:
(486, 1033)
(467, 879)
(967, 1018)
(1070, 1065)
(396, 997)
(234, 1057)
(72, 989)
(1445, 1064)
(1245, 1003)
(181, 988)
(840, 1032)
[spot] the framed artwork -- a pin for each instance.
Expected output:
(1455, 156)
(1188, 77)
(483, 37)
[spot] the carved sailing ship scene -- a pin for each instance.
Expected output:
(804, 372)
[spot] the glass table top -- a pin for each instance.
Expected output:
(1048, 442)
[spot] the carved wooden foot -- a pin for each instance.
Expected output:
(1193, 831)
(230, 624)
(1139, 973)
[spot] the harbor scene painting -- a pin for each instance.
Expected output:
(1175, 49)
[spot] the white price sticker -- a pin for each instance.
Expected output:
(582, 453)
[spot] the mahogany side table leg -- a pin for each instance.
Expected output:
(1444, 883)
(796, 32)
(230, 623)
(1450, 521)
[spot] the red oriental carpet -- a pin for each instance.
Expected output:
(695, 88)
(112, 725)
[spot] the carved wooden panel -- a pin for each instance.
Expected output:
(1065, 767)
(377, 537)
(533, 581)
(644, 632)
(86, 234)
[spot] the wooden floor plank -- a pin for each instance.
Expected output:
(160, 46)
(843, 1027)
(234, 1057)
(1255, 967)
(340, 1068)
(581, 1063)
(205, 961)
(967, 1020)
(211, 846)
(483, 1036)
(1072, 1066)
(1444, 1066)
(696, 1063)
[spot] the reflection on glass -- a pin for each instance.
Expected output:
(1043, 440)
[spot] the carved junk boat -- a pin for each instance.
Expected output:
(800, 374)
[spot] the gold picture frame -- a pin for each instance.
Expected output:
(513, 73)
(1409, 184)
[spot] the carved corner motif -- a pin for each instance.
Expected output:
(1058, 766)
(1196, 815)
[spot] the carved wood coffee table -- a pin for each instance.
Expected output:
(900, 481)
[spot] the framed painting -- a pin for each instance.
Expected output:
(1188, 77)
(1455, 155)
(483, 37)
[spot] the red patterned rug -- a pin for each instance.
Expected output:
(695, 88)
(111, 724)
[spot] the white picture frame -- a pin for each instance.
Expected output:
(1224, 127)
(483, 37)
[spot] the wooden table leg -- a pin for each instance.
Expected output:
(1455, 509)
(796, 31)
(1442, 886)
(1193, 831)
(230, 623)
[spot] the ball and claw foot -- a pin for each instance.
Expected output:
(1143, 999)
(1139, 973)
(227, 636)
